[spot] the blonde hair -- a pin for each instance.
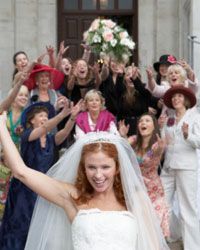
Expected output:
(93, 92)
(180, 69)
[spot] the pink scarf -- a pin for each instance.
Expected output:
(103, 121)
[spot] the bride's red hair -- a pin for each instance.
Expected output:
(82, 183)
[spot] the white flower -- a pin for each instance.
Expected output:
(131, 45)
(109, 39)
(127, 42)
(123, 34)
(113, 42)
(104, 46)
(117, 29)
(96, 39)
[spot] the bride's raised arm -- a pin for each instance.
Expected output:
(47, 187)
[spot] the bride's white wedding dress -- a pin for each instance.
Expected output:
(95, 229)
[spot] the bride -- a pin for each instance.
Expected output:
(93, 198)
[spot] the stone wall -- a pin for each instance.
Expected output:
(158, 30)
(27, 25)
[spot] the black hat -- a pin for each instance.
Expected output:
(164, 59)
(48, 105)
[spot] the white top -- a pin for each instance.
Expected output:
(181, 153)
(95, 229)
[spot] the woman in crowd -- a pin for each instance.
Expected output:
(5, 105)
(15, 112)
(176, 75)
(182, 133)
(161, 68)
(42, 92)
(17, 83)
(134, 99)
(112, 83)
(37, 151)
(82, 79)
(20, 61)
(96, 117)
(104, 187)
(149, 149)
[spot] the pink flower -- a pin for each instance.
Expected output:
(171, 59)
(109, 23)
(123, 34)
(18, 130)
(108, 36)
(170, 121)
(95, 25)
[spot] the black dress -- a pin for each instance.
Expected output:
(111, 92)
(130, 112)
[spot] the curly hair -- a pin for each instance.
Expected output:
(82, 183)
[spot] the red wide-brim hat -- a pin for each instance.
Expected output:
(167, 98)
(57, 77)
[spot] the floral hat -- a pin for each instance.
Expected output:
(106, 38)
(167, 98)
(164, 59)
(57, 77)
(29, 109)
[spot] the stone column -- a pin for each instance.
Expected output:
(27, 25)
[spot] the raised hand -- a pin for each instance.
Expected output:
(62, 48)
(158, 146)
(86, 46)
(50, 50)
(185, 129)
(188, 69)
(123, 128)
(76, 109)
(61, 102)
(3, 118)
(20, 77)
(135, 72)
(149, 72)
(162, 120)
(41, 58)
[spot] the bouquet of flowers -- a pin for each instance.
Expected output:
(106, 38)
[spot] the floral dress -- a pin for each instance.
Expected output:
(149, 167)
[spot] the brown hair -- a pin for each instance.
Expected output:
(33, 112)
(82, 183)
(90, 74)
(153, 138)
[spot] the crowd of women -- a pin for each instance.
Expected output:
(128, 178)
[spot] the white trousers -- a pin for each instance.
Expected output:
(185, 184)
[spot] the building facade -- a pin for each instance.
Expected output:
(157, 27)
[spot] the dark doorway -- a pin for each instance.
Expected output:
(72, 22)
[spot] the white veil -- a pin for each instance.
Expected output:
(50, 228)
